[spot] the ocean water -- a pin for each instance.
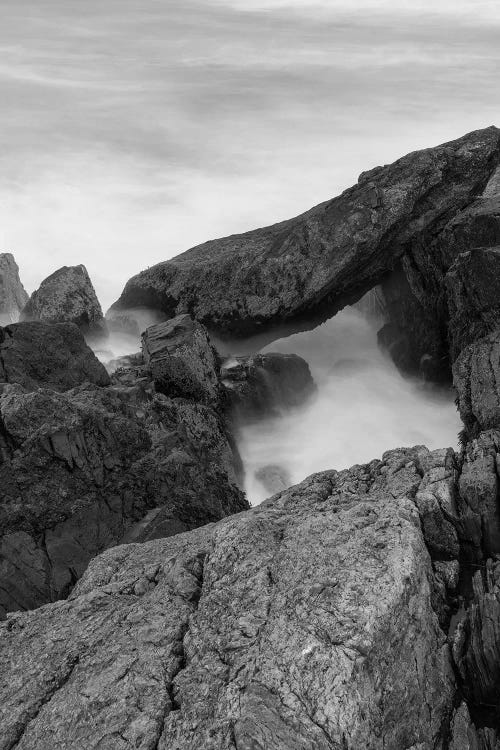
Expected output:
(363, 407)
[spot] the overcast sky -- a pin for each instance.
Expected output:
(133, 129)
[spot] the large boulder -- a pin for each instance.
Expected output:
(84, 469)
(182, 359)
(262, 385)
(415, 216)
(13, 296)
(306, 624)
(67, 296)
(38, 354)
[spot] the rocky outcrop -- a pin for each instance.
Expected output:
(357, 609)
(56, 356)
(13, 296)
(82, 469)
(476, 375)
(182, 359)
(305, 623)
(445, 294)
(264, 384)
(473, 294)
(67, 296)
(415, 215)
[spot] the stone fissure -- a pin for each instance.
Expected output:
(71, 664)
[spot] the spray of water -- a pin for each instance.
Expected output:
(363, 406)
(124, 336)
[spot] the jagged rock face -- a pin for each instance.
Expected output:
(473, 286)
(83, 468)
(476, 375)
(182, 359)
(38, 354)
(13, 296)
(305, 623)
(79, 470)
(67, 296)
(419, 211)
(263, 384)
(447, 297)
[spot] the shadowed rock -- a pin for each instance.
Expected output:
(473, 294)
(181, 359)
(79, 470)
(67, 296)
(264, 384)
(476, 375)
(13, 296)
(38, 354)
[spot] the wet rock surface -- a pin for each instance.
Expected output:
(263, 384)
(13, 296)
(67, 296)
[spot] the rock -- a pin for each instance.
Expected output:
(473, 294)
(437, 507)
(181, 359)
(478, 656)
(273, 478)
(38, 354)
(412, 217)
(303, 623)
(264, 384)
(83, 469)
(478, 492)
(432, 308)
(476, 376)
(13, 296)
(67, 296)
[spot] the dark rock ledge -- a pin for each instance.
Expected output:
(87, 461)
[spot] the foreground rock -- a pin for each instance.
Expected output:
(305, 623)
(67, 296)
(13, 296)
(56, 356)
(410, 219)
(83, 469)
(264, 384)
(181, 359)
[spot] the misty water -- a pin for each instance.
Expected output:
(363, 406)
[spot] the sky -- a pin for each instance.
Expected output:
(134, 129)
